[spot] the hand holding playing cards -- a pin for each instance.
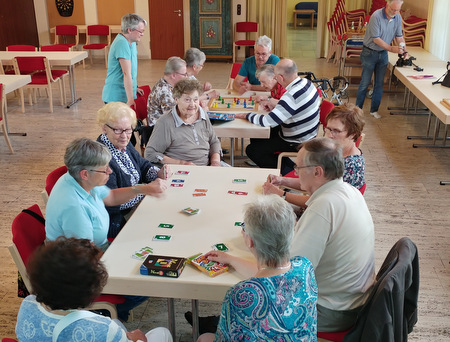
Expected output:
(165, 172)
(269, 188)
(155, 188)
(219, 256)
(136, 335)
(244, 267)
(275, 180)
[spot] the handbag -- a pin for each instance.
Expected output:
(446, 81)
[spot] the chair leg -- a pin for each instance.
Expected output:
(22, 100)
(61, 85)
(234, 53)
(50, 97)
(106, 57)
(5, 134)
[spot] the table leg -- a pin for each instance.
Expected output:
(73, 89)
(195, 325)
(5, 117)
(171, 314)
(435, 137)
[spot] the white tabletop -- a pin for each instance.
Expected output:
(239, 128)
(430, 95)
(190, 234)
(62, 58)
(13, 82)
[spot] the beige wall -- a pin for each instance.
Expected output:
(418, 8)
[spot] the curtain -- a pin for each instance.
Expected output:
(438, 34)
(271, 16)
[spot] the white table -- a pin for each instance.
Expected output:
(190, 234)
(10, 84)
(239, 128)
(430, 95)
(56, 58)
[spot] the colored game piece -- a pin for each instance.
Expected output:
(245, 104)
(250, 98)
(228, 105)
(223, 101)
(219, 98)
(253, 102)
(237, 101)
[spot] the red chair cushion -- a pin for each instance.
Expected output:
(114, 299)
(333, 336)
(94, 46)
(55, 47)
(58, 73)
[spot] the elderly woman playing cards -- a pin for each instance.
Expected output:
(129, 168)
(185, 135)
(278, 301)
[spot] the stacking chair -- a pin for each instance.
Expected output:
(51, 180)
(67, 35)
(21, 48)
(244, 27)
(28, 233)
(234, 71)
(325, 109)
(141, 114)
(41, 77)
(3, 122)
(62, 73)
(100, 31)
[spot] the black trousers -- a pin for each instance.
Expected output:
(264, 152)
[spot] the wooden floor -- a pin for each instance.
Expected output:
(403, 191)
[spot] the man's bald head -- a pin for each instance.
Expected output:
(286, 71)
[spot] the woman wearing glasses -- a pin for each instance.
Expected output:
(129, 168)
(344, 125)
(76, 205)
(184, 135)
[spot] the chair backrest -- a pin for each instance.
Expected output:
(325, 109)
(28, 64)
(363, 188)
(55, 47)
(360, 140)
(390, 312)
(53, 177)
(98, 30)
(234, 71)
(141, 103)
(246, 26)
(21, 48)
(66, 30)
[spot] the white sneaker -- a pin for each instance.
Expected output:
(375, 115)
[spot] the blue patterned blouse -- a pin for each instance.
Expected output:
(355, 168)
(279, 308)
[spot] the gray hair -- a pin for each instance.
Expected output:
(326, 153)
(194, 56)
(391, 1)
(173, 64)
(84, 154)
(186, 86)
(287, 68)
(269, 221)
(268, 69)
(131, 21)
(264, 41)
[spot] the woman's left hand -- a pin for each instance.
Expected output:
(140, 92)
(269, 188)
(155, 188)
(165, 172)
(136, 335)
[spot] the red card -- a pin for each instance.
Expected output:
(177, 185)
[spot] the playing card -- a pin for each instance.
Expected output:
(162, 238)
(165, 225)
(142, 253)
(198, 194)
(237, 192)
(177, 185)
(185, 173)
(239, 181)
(177, 180)
(220, 247)
(191, 211)
(201, 190)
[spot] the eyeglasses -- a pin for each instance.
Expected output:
(179, 73)
(296, 168)
(332, 131)
(190, 99)
(261, 54)
(108, 170)
(141, 32)
(120, 131)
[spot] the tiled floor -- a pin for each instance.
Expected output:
(403, 192)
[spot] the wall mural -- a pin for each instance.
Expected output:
(210, 7)
(210, 32)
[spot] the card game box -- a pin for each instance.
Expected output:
(163, 266)
(211, 268)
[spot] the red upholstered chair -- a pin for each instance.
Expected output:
(325, 109)
(6, 339)
(141, 113)
(2, 122)
(234, 71)
(50, 181)
(62, 73)
(67, 35)
(28, 233)
(21, 48)
(55, 47)
(101, 32)
(41, 77)
(244, 27)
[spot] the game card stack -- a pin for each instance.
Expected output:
(211, 268)
(163, 266)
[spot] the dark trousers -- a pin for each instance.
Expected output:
(264, 152)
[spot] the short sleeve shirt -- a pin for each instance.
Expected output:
(248, 68)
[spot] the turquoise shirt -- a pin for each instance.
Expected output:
(248, 68)
(114, 90)
(73, 212)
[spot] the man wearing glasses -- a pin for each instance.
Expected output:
(385, 24)
(336, 233)
(121, 78)
(263, 55)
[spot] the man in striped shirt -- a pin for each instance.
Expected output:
(293, 120)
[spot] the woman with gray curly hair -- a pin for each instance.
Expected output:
(267, 306)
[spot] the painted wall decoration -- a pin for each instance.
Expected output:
(64, 7)
(210, 32)
(210, 6)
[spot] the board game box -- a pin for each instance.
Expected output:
(221, 116)
(233, 103)
(163, 266)
(211, 268)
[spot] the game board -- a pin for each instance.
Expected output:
(233, 103)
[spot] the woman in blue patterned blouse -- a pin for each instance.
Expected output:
(278, 302)
(344, 125)
(129, 168)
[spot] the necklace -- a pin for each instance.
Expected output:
(276, 268)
